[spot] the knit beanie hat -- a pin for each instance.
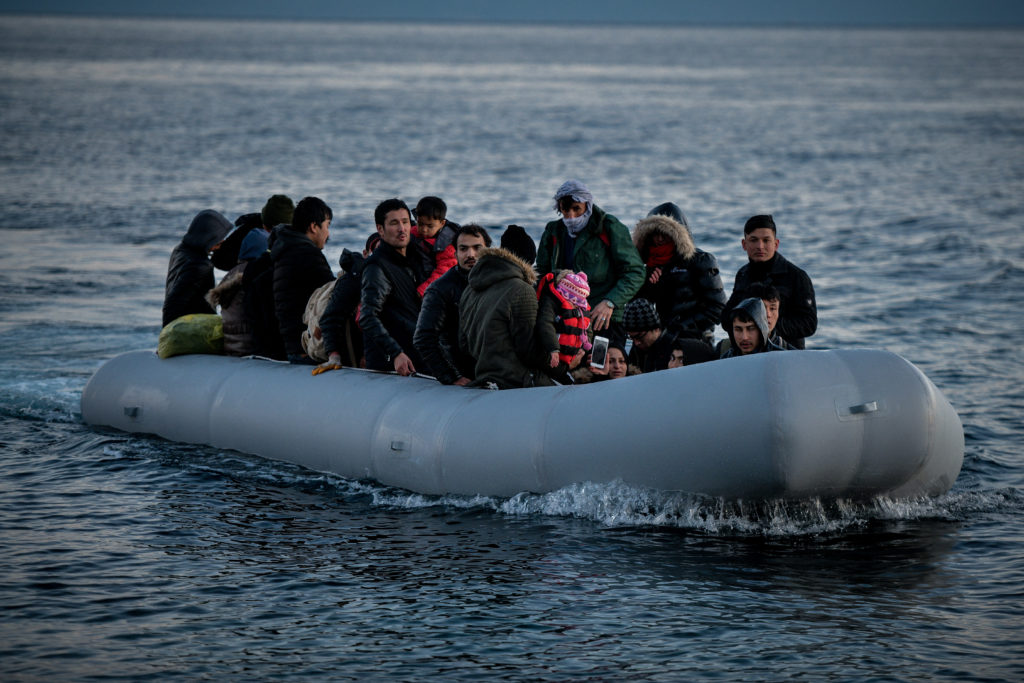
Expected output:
(640, 316)
(519, 243)
(575, 288)
(277, 210)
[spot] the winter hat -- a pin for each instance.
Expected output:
(519, 243)
(575, 288)
(254, 244)
(277, 210)
(640, 316)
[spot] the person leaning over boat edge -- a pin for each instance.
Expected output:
(798, 313)
(190, 272)
(589, 240)
(390, 304)
(300, 268)
(437, 329)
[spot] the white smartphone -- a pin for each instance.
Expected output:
(599, 354)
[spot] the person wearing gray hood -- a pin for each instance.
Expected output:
(748, 330)
(190, 273)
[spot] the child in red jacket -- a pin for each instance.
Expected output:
(436, 239)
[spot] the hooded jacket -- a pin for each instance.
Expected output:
(604, 251)
(755, 309)
(798, 313)
(390, 306)
(437, 330)
(689, 295)
(497, 314)
(300, 267)
(190, 273)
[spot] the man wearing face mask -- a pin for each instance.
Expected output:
(586, 239)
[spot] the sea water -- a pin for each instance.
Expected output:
(891, 159)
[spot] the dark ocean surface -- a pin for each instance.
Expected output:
(893, 161)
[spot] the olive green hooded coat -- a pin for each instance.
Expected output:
(497, 314)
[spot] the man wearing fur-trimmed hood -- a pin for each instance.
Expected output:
(498, 312)
(683, 282)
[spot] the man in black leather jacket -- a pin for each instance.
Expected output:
(390, 304)
(437, 330)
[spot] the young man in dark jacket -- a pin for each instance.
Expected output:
(390, 304)
(437, 330)
(299, 269)
(798, 313)
(749, 330)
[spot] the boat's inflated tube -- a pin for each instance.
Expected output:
(851, 424)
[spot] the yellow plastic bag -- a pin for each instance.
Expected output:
(193, 333)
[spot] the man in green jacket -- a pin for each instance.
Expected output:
(497, 315)
(586, 239)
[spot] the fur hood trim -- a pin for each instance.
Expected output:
(226, 290)
(679, 233)
(496, 256)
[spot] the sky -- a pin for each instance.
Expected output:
(945, 13)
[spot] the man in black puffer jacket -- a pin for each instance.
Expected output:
(437, 330)
(299, 269)
(390, 304)
(190, 273)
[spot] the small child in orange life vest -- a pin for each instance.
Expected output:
(562, 320)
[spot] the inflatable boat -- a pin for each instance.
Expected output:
(837, 424)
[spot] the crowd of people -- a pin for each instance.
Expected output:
(591, 301)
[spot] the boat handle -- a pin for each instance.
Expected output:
(869, 407)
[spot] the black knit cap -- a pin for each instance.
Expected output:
(757, 222)
(519, 243)
(278, 209)
(640, 316)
